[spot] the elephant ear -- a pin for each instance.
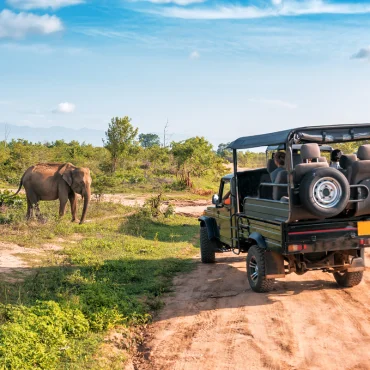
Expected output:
(66, 172)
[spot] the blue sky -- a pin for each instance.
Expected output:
(220, 69)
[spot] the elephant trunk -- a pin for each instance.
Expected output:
(86, 196)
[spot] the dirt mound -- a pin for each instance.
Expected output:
(214, 321)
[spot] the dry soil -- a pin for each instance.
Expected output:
(213, 320)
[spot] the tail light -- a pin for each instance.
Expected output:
(364, 242)
(296, 247)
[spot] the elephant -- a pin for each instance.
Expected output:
(51, 181)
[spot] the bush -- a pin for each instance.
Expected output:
(8, 199)
(37, 337)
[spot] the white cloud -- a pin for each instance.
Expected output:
(275, 102)
(287, 9)
(42, 4)
(276, 2)
(177, 2)
(363, 53)
(17, 25)
(65, 108)
(194, 55)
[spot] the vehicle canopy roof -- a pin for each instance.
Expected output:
(323, 148)
(314, 134)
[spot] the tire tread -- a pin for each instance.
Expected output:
(348, 279)
(265, 285)
(207, 247)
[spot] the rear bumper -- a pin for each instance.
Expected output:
(324, 237)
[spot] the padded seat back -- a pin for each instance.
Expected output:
(296, 159)
(308, 151)
(361, 175)
(279, 192)
(346, 161)
(271, 166)
(361, 168)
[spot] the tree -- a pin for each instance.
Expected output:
(193, 157)
(149, 140)
(119, 138)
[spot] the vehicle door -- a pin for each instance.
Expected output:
(224, 211)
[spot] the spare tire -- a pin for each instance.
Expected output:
(324, 192)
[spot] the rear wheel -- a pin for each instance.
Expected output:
(256, 270)
(348, 279)
(207, 247)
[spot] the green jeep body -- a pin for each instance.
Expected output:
(284, 235)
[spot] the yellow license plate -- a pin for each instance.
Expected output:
(363, 228)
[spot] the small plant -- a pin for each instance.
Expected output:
(170, 211)
(8, 199)
(154, 205)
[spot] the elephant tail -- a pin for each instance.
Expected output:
(20, 187)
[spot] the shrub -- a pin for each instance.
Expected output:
(39, 336)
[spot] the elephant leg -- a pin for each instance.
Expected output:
(73, 201)
(29, 209)
(32, 204)
(62, 205)
(37, 211)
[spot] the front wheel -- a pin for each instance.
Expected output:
(256, 271)
(207, 247)
(348, 279)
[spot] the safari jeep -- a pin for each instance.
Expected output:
(313, 217)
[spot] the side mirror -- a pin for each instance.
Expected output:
(215, 199)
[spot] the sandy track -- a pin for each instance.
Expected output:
(214, 321)
(184, 207)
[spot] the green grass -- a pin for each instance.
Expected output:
(111, 273)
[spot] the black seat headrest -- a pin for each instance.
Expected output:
(271, 166)
(363, 152)
(346, 160)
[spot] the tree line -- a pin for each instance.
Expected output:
(128, 156)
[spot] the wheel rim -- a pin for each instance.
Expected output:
(253, 269)
(327, 192)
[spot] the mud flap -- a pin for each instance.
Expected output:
(274, 265)
(357, 264)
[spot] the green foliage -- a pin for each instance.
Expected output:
(115, 274)
(38, 337)
(194, 157)
(119, 138)
(8, 204)
(249, 159)
(149, 140)
(224, 152)
(8, 199)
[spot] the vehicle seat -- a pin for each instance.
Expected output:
(280, 192)
(296, 159)
(361, 175)
(271, 166)
(323, 160)
(308, 151)
(266, 191)
(345, 162)
(361, 168)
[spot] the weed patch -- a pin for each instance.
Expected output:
(111, 273)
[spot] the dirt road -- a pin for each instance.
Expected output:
(214, 321)
(184, 207)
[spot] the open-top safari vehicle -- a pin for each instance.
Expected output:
(313, 217)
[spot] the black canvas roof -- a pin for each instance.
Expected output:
(318, 134)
